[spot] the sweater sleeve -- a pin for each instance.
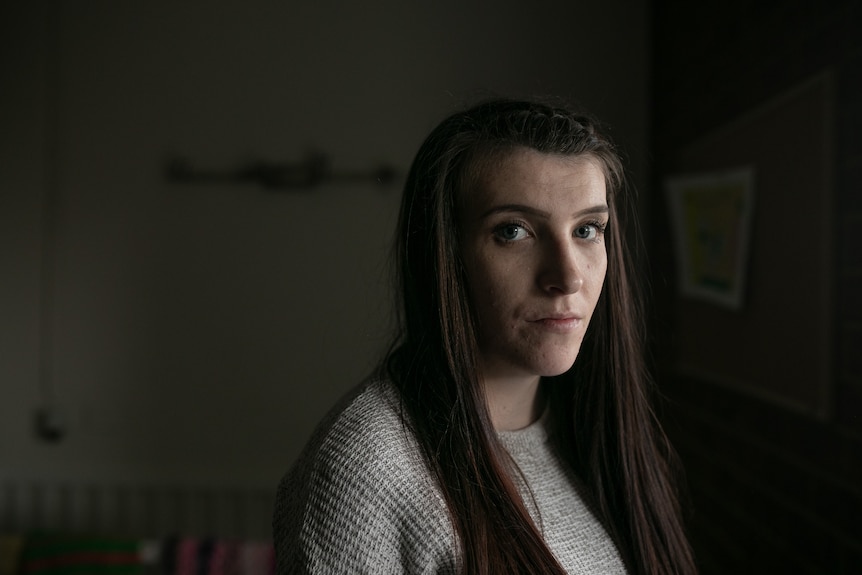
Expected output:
(356, 502)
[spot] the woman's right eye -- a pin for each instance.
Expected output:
(511, 232)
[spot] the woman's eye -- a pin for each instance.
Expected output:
(587, 232)
(511, 232)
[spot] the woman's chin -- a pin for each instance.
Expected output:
(557, 367)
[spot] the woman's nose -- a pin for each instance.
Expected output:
(560, 272)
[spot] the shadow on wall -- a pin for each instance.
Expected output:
(768, 427)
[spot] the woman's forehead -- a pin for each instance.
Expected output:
(523, 171)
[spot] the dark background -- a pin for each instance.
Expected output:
(187, 338)
(772, 490)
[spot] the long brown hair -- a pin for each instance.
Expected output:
(608, 432)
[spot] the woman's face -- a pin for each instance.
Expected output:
(534, 251)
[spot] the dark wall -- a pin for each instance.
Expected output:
(772, 490)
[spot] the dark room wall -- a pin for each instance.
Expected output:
(186, 337)
(775, 487)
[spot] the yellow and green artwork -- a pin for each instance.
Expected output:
(711, 216)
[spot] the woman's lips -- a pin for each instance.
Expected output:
(565, 324)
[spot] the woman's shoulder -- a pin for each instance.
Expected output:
(366, 421)
(360, 492)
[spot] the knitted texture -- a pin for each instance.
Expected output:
(360, 499)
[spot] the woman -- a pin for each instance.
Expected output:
(509, 429)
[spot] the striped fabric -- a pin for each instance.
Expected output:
(64, 554)
(47, 554)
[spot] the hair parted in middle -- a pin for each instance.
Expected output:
(602, 421)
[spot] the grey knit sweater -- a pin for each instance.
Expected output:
(360, 499)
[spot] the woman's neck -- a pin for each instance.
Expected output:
(514, 403)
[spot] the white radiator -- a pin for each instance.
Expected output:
(134, 510)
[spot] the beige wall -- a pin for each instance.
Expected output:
(197, 333)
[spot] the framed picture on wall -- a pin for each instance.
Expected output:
(778, 252)
(711, 214)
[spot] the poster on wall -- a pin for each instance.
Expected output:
(711, 214)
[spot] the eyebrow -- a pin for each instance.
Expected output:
(598, 209)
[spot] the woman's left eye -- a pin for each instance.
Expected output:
(588, 231)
